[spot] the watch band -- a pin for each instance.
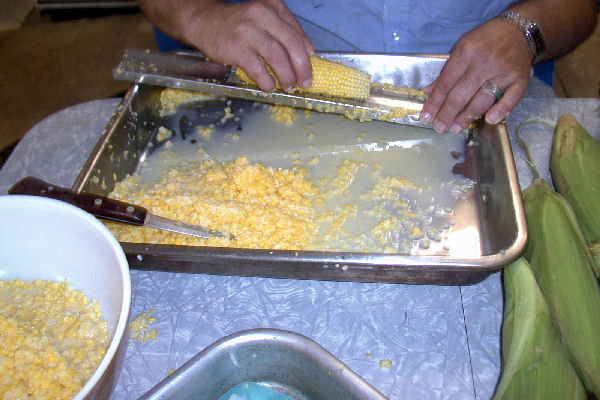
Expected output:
(531, 31)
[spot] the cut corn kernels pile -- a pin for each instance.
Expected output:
(52, 339)
(262, 207)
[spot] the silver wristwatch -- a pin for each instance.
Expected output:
(531, 31)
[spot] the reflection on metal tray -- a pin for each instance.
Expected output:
(188, 70)
(283, 361)
(485, 230)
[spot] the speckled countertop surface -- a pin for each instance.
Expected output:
(443, 341)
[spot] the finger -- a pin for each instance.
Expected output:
(479, 104)
(513, 94)
(450, 74)
(258, 39)
(287, 15)
(295, 49)
(298, 46)
(457, 100)
(429, 88)
(284, 12)
(256, 69)
(282, 46)
(310, 47)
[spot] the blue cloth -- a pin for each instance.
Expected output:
(389, 26)
(393, 26)
(545, 71)
(165, 42)
(397, 26)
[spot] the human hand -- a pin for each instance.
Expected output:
(251, 34)
(494, 52)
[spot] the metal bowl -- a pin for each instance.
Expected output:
(283, 361)
(50, 240)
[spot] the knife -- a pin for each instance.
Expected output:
(111, 209)
(193, 72)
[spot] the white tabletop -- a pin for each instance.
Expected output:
(443, 341)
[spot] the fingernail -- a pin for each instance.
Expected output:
(439, 127)
(493, 118)
(456, 128)
(426, 117)
(307, 83)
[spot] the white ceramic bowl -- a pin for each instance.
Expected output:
(47, 239)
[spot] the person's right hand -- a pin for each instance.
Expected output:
(249, 35)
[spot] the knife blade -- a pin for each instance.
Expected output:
(191, 71)
(111, 209)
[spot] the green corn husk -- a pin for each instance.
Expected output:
(534, 362)
(575, 169)
(595, 250)
(562, 265)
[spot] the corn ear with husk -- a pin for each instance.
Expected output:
(575, 169)
(562, 266)
(595, 250)
(534, 362)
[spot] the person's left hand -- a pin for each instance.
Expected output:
(495, 52)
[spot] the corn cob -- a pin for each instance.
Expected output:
(575, 168)
(534, 363)
(562, 265)
(329, 78)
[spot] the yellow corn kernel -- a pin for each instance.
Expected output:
(170, 98)
(52, 339)
(140, 330)
(331, 79)
(283, 114)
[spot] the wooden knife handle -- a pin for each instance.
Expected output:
(97, 205)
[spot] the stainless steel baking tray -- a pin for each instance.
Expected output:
(484, 231)
(283, 361)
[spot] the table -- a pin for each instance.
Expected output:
(443, 341)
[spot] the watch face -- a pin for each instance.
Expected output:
(532, 32)
(536, 34)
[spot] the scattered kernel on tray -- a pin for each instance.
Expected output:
(263, 207)
(53, 338)
(407, 91)
(227, 115)
(344, 174)
(140, 330)
(283, 114)
(171, 98)
(164, 133)
(205, 131)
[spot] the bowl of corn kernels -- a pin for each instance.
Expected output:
(65, 297)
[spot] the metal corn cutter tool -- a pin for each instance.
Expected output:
(190, 70)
